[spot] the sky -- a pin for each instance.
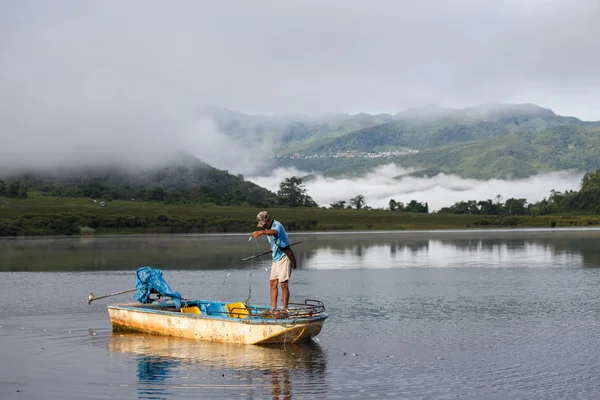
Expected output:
(114, 80)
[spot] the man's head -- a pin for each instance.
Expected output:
(263, 219)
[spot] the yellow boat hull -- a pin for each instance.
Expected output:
(222, 328)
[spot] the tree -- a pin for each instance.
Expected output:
(158, 194)
(396, 205)
(292, 193)
(358, 202)
(2, 188)
(14, 188)
(515, 206)
(338, 204)
(488, 207)
(417, 207)
(588, 198)
(23, 192)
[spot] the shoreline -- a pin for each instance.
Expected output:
(54, 216)
(302, 233)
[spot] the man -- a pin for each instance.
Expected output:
(283, 257)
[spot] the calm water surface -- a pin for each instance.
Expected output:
(413, 315)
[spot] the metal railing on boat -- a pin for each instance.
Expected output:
(308, 309)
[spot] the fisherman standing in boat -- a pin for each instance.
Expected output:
(283, 257)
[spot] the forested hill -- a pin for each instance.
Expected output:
(289, 132)
(189, 181)
(422, 132)
(488, 141)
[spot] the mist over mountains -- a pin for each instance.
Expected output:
(430, 154)
(446, 155)
(491, 141)
(128, 85)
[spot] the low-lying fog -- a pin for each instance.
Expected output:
(439, 191)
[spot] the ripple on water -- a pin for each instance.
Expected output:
(438, 322)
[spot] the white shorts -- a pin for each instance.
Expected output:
(282, 269)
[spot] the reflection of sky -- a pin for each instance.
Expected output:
(435, 253)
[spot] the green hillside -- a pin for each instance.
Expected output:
(186, 181)
(491, 141)
(514, 155)
(427, 130)
(290, 133)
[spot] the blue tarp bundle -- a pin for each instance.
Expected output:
(147, 279)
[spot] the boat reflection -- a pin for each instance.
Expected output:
(166, 364)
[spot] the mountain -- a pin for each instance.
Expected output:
(292, 132)
(427, 130)
(516, 155)
(187, 180)
(493, 140)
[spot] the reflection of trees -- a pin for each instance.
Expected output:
(587, 247)
(411, 246)
(224, 251)
(416, 246)
(559, 243)
(485, 244)
(304, 256)
(359, 250)
(591, 257)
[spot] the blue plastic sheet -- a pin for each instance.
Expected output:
(147, 279)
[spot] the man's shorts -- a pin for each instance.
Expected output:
(282, 269)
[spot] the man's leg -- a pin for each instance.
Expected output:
(285, 294)
(274, 291)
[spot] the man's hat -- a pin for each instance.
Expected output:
(262, 218)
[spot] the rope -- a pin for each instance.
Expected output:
(215, 295)
(254, 248)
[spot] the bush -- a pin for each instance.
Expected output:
(86, 230)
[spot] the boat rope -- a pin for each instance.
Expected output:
(217, 292)
(335, 348)
(247, 302)
(254, 248)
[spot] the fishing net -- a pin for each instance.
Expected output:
(147, 280)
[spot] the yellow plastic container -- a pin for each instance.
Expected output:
(237, 310)
(190, 310)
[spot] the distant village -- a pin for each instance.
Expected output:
(351, 154)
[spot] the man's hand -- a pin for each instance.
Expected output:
(256, 234)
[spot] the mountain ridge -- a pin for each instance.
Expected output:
(427, 128)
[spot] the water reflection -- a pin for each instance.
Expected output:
(280, 385)
(151, 371)
(462, 252)
(320, 251)
(165, 363)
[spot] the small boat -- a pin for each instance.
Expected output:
(221, 321)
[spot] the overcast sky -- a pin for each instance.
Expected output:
(123, 79)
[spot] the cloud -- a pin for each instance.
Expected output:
(439, 191)
(113, 80)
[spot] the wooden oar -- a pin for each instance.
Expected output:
(262, 254)
(91, 297)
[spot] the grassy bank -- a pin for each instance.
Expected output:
(42, 215)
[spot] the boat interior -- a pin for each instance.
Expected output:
(308, 309)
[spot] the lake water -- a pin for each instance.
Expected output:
(413, 315)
